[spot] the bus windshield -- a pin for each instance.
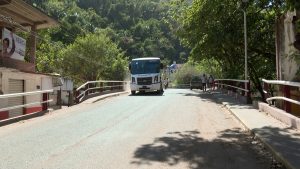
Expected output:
(145, 66)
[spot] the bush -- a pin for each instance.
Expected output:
(185, 73)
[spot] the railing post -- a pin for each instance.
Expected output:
(86, 92)
(45, 105)
(76, 96)
(93, 85)
(230, 88)
(249, 100)
(266, 90)
(246, 88)
(286, 92)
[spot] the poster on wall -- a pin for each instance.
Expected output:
(13, 46)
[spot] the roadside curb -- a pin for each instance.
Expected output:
(42, 113)
(105, 97)
(276, 154)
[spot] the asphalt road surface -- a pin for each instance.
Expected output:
(179, 129)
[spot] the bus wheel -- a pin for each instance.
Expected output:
(132, 92)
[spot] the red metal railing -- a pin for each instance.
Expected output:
(44, 102)
(241, 87)
(282, 92)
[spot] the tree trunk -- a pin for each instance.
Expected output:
(256, 81)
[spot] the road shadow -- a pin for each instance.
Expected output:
(218, 97)
(231, 148)
(205, 96)
(286, 145)
(147, 94)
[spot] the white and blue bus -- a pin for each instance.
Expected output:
(146, 75)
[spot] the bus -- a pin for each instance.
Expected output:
(146, 75)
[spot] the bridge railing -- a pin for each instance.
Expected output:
(92, 88)
(283, 93)
(44, 102)
(241, 87)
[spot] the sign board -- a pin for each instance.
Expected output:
(13, 46)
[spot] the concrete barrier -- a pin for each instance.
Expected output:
(280, 115)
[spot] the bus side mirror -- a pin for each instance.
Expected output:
(161, 66)
(129, 67)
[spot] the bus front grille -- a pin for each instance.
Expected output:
(144, 81)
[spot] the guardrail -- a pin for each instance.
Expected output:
(97, 87)
(284, 88)
(238, 86)
(44, 102)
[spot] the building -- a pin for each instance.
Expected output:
(16, 74)
(288, 56)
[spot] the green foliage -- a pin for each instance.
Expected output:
(140, 28)
(47, 57)
(209, 67)
(293, 4)
(184, 75)
(92, 57)
(143, 27)
(214, 31)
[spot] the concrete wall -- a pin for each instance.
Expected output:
(280, 115)
(288, 63)
(32, 82)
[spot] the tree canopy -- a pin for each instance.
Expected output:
(211, 32)
(214, 30)
(95, 56)
(140, 28)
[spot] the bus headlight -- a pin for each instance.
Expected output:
(155, 79)
(133, 79)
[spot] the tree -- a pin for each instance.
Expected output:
(93, 57)
(214, 31)
(185, 73)
(140, 28)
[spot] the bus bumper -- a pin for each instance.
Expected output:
(152, 87)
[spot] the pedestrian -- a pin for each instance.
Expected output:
(166, 83)
(211, 82)
(204, 81)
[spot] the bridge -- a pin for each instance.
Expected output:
(181, 128)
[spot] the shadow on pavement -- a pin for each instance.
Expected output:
(231, 148)
(283, 142)
(217, 97)
(204, 96)
(147, 94)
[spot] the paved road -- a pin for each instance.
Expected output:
(180, 129)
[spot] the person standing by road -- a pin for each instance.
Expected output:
(166, 83)
(210, 82)
(204, 81)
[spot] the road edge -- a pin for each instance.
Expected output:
(276, 154)
(42, 113)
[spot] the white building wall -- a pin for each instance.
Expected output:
(289, 66)
(32, 82)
